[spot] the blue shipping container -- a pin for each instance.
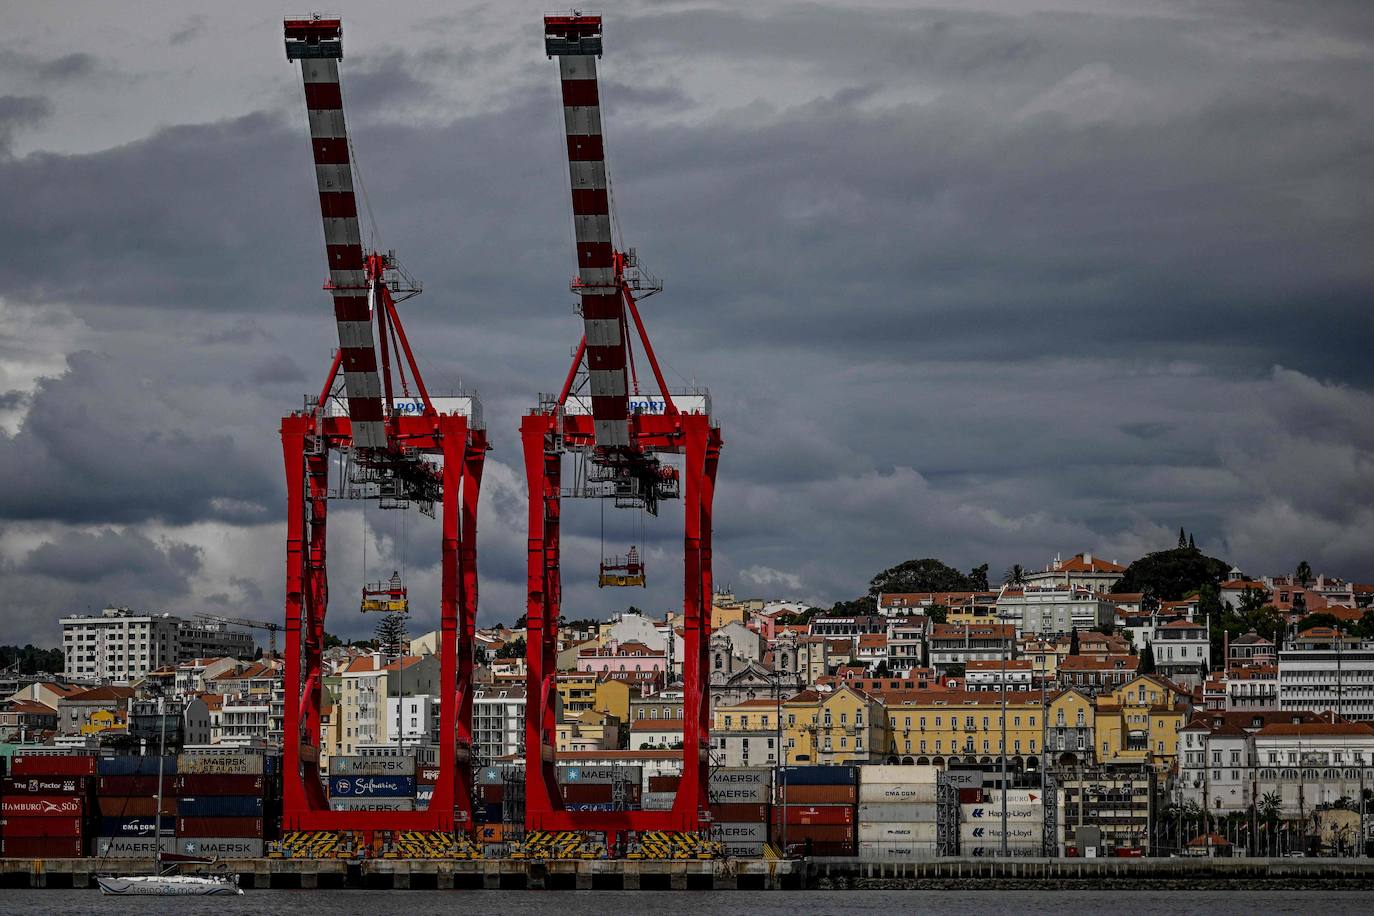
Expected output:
(487, 814)
(220, 806)
(819, 776)
(136, 826)
(135, 766)
(372, 787)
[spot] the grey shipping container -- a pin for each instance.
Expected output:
(740, 833)
(743, 850)
(372, 804)
(600, 774)
(740, 793)
(223, 847)
(371, 766)
(921, 814)
(235, 763)
(738, 776)
(127, 847)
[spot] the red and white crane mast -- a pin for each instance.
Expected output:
(615, 437)
(361, 439)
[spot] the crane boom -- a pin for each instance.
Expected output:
(318, 44)
(576, 42)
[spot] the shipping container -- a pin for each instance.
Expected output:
(596, 792)
(985, 811)
(1015, 797)
(743, 850)
(631, 775)
(657, 801)
(497, 775)
(134, 806)
(664, 783)
(818, 848)
(920, 814)
(423, 794)
(372, 786)
(221, 847)
(220, 806)
(219, 784)
(234, 763)
(1014, 850)
(427, 776)
(814, 814)
(47, 785)
(741, 813)
(970, 796)
(488, 814)
(727, 832)
(880, 852)
(52, 765)
(219, 826)
(992, 833)
(41, 826)
(42, 806)
(898, 775)
(489, 793)
(135, 826)
(132, 847)
(134, 765)
(725, 777)
(819, 776)
(128, 786)
(893, 832)
(832, 833)
(491, 833)
(819, 795)
(39, 847)
(372, 766)
(746, 793)
(889, 792)
(372, 804)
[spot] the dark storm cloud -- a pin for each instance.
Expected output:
(107, 554)
(102, 444)
(18, 112)
(971, 285)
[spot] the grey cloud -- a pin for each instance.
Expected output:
(108, 554)
(277, 370)
(18, 112)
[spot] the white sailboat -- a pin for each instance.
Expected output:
(161, 883)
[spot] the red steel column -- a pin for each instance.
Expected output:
(542, 472)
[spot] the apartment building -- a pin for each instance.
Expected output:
(1321, 669)
(119, 646)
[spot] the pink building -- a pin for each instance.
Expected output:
(618, 656)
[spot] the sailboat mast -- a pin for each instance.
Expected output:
(161, 762)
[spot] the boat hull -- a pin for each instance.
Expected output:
(177, 886)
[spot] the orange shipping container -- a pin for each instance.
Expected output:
(820, 795)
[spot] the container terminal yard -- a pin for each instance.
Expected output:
(562, 809)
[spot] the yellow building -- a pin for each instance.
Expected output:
(1043, 655)
(588, 731)
(577, 689)
(845, 726)
(1139, 722)
(972, 613)
(945, 726)
(1070, 720)
(613, 696)
(103, 721)
(759, 715)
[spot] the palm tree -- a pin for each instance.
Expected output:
(1303, 574)
(1014, 576)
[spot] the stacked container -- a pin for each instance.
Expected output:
(661, 793)
(130, 824)
(45, 806)
(226, 802)
(817, 813)
(489, 789)
(593, 788)
(740, 800)
(897, 812)
(372, 783)
(980, 828)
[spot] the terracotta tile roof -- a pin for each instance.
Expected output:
(657, 725)
(1080, 563)
(1014, 664)
(101, 694)
(1316, 729)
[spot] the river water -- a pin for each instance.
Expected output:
(705, 903)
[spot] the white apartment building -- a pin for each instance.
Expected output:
(1322, 670)
(1182, 651)
(1053, 609)
(498, 722)
(1082, 570)
(119, 646)
(415, 717)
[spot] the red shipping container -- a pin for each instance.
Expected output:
(591, 793)
(970, 796)
(47, 785)
(42, 806)
(194, 784)
(821, 848)
(52, 765)
(115, 806)
(797, 833)
(739, 814)
(38, 847)
(130, 786)
(814, 814)
(820, 795)
(491, 794)
(664, 783)
(40, 826)
(427, 776)
(235, 827)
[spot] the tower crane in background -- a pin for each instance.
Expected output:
(616, 438)
(272, 628)
(367, 436)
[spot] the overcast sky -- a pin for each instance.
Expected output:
(988, 281)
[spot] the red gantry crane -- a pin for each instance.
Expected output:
(615, 438)
(367, 437)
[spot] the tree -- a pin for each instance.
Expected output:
(331, 641)
(521, 622)
(1147, 659)
(391, 635)
(1014, 576)
(1169, 575)
(514, 649)
(1303, 573)
(1073, 643)
(1192, 545)
(937, 613)
(1182, 541)
(1364, 627)
(881, 669)
(955, 671)
(30, 659)
(1323, 619)
(978, 578)
(927, 575)
(1106, 629)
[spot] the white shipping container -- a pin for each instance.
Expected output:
(874, 851)
(740, 833)
(740, 794)
(978, 813)
(992, 833)
(657, 801)
(886, 832)
(898, 775)
(919, 793)
(1015, 796)
(741, 776)
(918, 814)
(743, 850)
(993, 850)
